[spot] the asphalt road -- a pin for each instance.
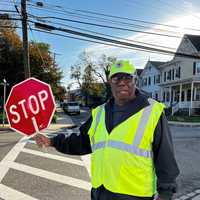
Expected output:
(27, 172)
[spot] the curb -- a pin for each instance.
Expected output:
(183, 124)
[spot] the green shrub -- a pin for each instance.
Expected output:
(54, 119)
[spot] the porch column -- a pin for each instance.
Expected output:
(190, 109)
(170, 95)
(180, 93)
(195, 93)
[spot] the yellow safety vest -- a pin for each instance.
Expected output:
(122, 161)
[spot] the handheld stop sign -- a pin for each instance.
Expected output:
(30, 106)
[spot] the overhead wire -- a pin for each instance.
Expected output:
(90, 17)
(106, 26)
(92, 41)
(124, 18)
(38, 49)
(53, 28)
(112, 36)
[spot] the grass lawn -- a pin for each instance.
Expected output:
(184, 118)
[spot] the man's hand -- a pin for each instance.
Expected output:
(42, 140)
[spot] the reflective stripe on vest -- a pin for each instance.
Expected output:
(131, 148)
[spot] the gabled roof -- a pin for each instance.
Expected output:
(156, 63)
(195, 40)
(139, 71)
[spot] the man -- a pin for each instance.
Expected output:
(130, 141)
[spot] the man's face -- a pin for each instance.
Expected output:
(123, 87)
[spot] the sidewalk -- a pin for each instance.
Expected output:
(184, 124)
(63, 121)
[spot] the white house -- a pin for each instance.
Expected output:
(180, 82)
(150, 78)
(176, 83)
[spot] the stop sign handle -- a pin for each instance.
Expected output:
(37, 131)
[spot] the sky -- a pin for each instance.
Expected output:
(183, 15)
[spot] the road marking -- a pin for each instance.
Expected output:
(51, 176)
(86, 160)
(10, 157)
(55, 157)
(10, 194)
(196, 198)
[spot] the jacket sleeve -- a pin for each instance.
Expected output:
(164, 159)
(75, 144)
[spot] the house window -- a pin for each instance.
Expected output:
(176, 97)
(182, 96)
(158, 78)
(198, 94)
(154, 79)
(167, 97)
(149, 80)
(144, 82)
(178, 72)
(156, 96)
(172, 74)
(188, 95)
(198, 67)
(163, 96)
(165, 73)
(169, 75)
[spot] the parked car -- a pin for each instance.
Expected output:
(71, 107)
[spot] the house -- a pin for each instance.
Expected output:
(150, 79)
(179, 82)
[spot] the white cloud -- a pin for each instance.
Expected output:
(139, 58)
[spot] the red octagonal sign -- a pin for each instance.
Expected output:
(30, 106)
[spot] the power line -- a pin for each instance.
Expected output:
(97, 42)
(32, 35)
(11, 11)
(106, 26)
(90, 17)
(124, 18)
(114, 41)
(94, 32)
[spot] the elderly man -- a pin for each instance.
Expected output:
(130, 141)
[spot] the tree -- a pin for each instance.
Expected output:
(92, 76)
(11, 59)
(102, 70)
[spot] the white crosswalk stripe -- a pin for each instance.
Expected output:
(55, 157)
(10, 194)
(8, 162)
(51, 176)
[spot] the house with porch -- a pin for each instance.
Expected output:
(180, 78)
(176, 83)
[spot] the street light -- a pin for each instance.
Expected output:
(4, 97)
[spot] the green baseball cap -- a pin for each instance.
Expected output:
(122, 66)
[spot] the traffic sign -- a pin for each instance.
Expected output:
(30, 106)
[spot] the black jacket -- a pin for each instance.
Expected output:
(165, 164)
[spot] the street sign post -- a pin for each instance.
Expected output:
(30, 106)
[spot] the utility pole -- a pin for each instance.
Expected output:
(54, 58)
(5, 84)
(25, 40)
